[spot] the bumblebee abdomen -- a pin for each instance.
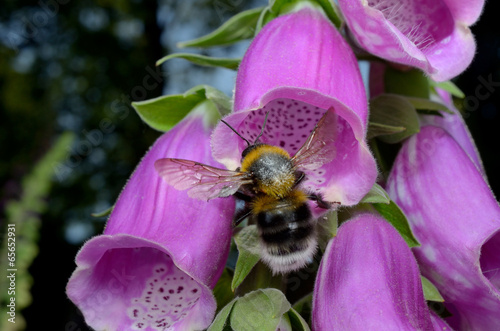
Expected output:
(288, 236)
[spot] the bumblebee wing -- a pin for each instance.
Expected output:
(202, 181)
(319, 147)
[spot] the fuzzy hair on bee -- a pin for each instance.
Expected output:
(269, 183)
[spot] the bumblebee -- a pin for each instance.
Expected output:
(269, 182)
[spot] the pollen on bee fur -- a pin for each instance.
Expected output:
(256, 153)
(272, 170)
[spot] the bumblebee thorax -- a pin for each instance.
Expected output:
(271, 168)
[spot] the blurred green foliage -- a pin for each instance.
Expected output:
(24, 215)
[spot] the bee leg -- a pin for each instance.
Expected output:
(299, 177)
(241, 215)
(320, 202)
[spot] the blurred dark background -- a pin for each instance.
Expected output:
(76, 66)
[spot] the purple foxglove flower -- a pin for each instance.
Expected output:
(368, 279)
(431, 35)
(456, 219)
(161, 251)
(297, 68)
(455, 125)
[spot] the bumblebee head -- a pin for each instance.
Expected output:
(250, 146)
(249, 149)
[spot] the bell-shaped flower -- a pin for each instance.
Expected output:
(455, 125)
(161, 251)
(455, 217)
(297, 68)
(368, 279)
(432, 35)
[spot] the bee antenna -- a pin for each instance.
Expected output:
(261, 131)
(239, 135)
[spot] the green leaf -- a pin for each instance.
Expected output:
(265, 17)
(377, 129)
(394, 110)
(426, 104)
(376, 195)
(259, 310)
(332, 12)
(394, 215)
(222, 290)
(448, 86)
(303, 302)
(281, 7)
(247, 241)
(412, 83)
(219, 98)
(328, 225)
(431, 293)
(164, 112)
(298, 323)
(202, 60)
(103, 213)
(237, 28)
(221, 318)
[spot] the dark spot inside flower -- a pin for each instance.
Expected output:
(289, 106)
(289, 134)
(175, 311)
(300, 120)
(174, 278)
(166, 298)
(195, 290)
(161, 290)
(150, 292)
(171, 291)
(179, 305)
(135, 312)
(180, 298)
(281, 103)
(304, 136)
(182, 277)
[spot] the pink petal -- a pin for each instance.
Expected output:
(455, 217)
(465, 11)
(422, 34)
(124, 282)
(455, 125)
(369, 280)
(156, 232)
(452, 55)
(297, 68)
